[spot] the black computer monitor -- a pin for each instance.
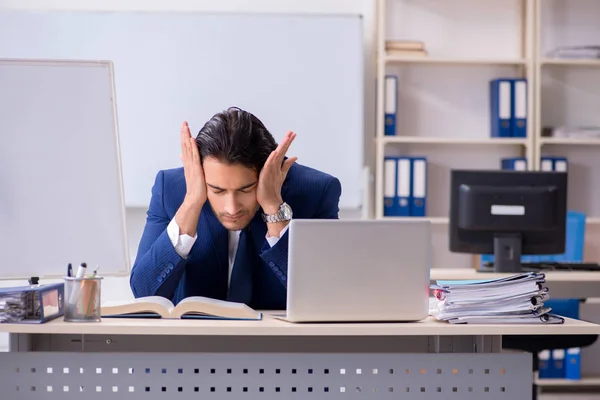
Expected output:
(508, 213)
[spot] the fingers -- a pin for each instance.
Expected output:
(285, 143)
(288, 164)
(269, 160)
(283, 147)
(183, 138)
(189, 148)
(194, 151)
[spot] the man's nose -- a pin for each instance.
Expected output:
(232, 206)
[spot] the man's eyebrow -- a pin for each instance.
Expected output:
(247, 186)
(214, 187)
(240, 188)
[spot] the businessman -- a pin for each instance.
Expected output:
(217, 227)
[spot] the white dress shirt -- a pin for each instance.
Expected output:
(183, 243)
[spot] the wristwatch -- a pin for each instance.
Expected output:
(284, 214)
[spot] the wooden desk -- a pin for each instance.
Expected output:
(269, 359)
(562, 284)
(271, 326)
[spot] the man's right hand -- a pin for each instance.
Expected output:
(189, 212)
(194, 174)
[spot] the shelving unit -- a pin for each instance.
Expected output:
(443, 98)
(568, 94)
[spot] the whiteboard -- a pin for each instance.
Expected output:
(294, 72)
(61, 198)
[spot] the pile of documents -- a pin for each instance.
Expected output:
(517, 299)
(13, 307)
(580, 52)
(573, 132)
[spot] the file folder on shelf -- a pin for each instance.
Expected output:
(500, 107)
(560, 164)
(389, 185)
(403, 184)
(397, 187)
(573, 363)
(419, 186)
(519, 108)
(514, 163)
(546, 164)
(554, 164)
(390, 104)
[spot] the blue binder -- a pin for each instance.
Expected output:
(40, 303)
(554, 164)
(390, 104)
(558, 363)
(545, 364)
(547, 164)
(560, 164)
(573, 363)
(419, 186)
(519, 108)
(403, 187)
(389, 186)
(514, 163)
(500, 107)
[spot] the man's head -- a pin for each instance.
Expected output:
(234, 146)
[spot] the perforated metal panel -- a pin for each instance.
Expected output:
(40, 375)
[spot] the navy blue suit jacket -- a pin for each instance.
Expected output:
(159, 271)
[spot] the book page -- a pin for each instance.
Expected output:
(162, 301)
(208, 300)
(158, 304)
(197, 305)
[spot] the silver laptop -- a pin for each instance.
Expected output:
(358, 270)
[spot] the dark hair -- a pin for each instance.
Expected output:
(236, 136)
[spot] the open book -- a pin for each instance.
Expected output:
(189, 308)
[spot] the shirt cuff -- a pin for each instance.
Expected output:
(272, 240)
(182, 243)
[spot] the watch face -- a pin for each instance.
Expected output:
(287, 211)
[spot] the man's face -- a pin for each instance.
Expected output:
(231, 191)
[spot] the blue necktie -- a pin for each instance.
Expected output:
(240, 286)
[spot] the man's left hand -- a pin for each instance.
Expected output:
(272, 175)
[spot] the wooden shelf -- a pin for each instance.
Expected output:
(570, 141)
(569, 61)
(453, 61)
(583, 382)
(453, 140)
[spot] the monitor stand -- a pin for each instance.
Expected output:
(507, 253)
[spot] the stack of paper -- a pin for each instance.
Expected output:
(581, 52)
(516, 299)
(13, 307)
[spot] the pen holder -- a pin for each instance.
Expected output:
(82, 299)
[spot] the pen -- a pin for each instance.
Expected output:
(75, 288)
(70, 270)
(81, 270)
